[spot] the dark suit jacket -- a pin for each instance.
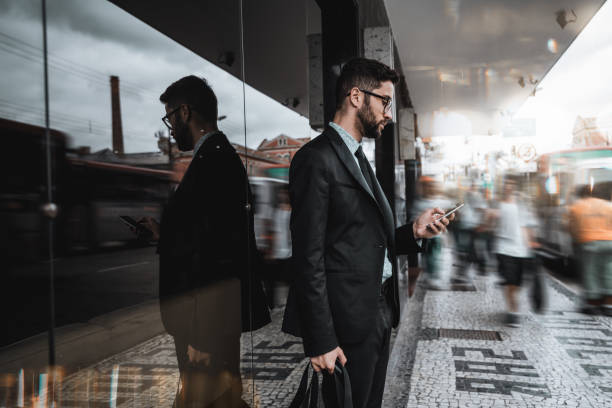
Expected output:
(339, 233)
(207, 241)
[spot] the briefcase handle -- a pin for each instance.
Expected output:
(307, 396)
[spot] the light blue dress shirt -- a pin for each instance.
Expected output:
(353, 145)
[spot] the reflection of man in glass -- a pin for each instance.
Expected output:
(206, 246)
(345, 296)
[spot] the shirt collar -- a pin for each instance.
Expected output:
(202, 139)
(350, 142)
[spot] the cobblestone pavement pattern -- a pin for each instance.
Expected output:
(462, 356)
(147, 375)
(466, 357)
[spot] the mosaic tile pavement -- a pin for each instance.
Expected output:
(451, 351)
(147, 376)
(559, 358)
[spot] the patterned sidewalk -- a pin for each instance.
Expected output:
(466, 357)
(451, 351)
(147, 375)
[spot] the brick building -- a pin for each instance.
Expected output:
(282, 147)
(255, 161)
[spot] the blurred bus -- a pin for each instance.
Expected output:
(560, 174)
(99, 193)
(90, 195)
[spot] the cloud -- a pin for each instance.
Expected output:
(88, 42)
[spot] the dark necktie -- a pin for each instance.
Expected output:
(363, 165)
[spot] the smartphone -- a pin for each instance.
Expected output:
(457, 207)
(132, 223)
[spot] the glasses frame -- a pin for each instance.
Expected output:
(387, 101)
(166, 119)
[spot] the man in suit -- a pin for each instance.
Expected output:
(344, 299)
(209, 291)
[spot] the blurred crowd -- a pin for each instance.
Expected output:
(501, 231)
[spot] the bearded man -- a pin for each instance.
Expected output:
(344, 299)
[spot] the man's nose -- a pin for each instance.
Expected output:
(388, 116)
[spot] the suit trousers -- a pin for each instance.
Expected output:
(366, 364)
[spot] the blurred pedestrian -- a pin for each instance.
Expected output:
(279, 267)
(432, 254)
(591, 228)
(467, 242)
(514, 240)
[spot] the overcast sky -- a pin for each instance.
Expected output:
(88, 42)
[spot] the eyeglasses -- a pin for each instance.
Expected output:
(166, 119)
(387, 101)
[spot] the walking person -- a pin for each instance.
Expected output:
(432, 253)
(514, 240)
(469, 233)
(344, 299)
(591, 228)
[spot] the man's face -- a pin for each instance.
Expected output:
(372, 116)
(180, 130)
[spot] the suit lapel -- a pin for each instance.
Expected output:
(347, 159)
(383, 204)
(351, 165)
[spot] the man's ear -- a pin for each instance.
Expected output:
(354, 97)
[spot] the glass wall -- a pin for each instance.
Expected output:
(158, 276)
(275, 130)
(113, 163)
(24, 230)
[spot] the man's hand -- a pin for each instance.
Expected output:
(152, 225)
(327, 361)
(430, 223)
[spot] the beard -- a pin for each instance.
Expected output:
(181, 134)
(367, 120)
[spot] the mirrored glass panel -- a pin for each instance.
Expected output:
(151, 238)
(25, 233)
(282, 63)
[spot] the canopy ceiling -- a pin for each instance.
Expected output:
(480, 59)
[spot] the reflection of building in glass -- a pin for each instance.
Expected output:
(255, 161)
(282, 147)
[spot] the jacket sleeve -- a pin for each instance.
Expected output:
(309, 194)
(405, 244)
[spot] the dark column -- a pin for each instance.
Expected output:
(412, 168)
(413, 172)
(116, 112)
(385, 162)
(341, 42)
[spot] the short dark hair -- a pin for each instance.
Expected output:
(362, 73)
(195, 92)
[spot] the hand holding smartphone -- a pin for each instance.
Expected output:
(457, 207)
